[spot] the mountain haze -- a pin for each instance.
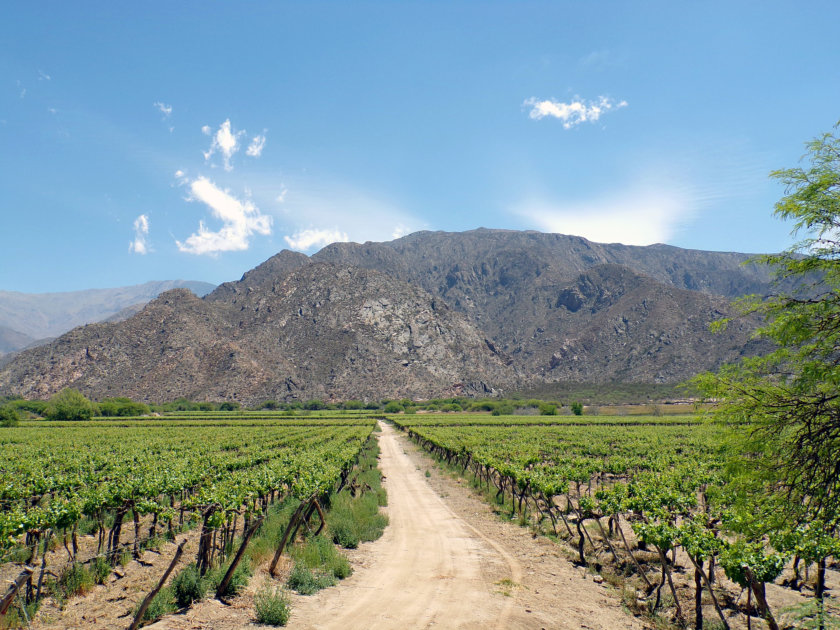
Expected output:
(430, 314)
(31, 317)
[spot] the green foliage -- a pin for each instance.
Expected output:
(314, 405)
(122, 407)
(9, 416)
(577, 408)
(99, 569)
(74, 580)
(393, 407)
(229, 406)
(238, 581)
(162, 604)
(188, 586)
(319, 553)
(271, 405)
(307, 582)
(742, 558)
(272, 605)
(353, 404)
(69, 404)
(548, 409)
(788, 451)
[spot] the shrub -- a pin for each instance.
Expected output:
(122, 407)
(69, 404)
(306, 582)
(75, 580)
(393, 407)
(229, 406)
(272, 605)
(238, 581)
(271, 405)
(353, 404)
(320, 553)
(99, 570)
(162, 604)
(548, 409)
(313, 405)
(188, 586)
(9, 416)
(577, 408)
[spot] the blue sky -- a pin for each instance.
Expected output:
(195, 140)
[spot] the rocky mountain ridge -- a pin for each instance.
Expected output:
(430, 314)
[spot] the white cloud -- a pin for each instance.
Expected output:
(163, 108)
(342, 211)
(206, 130)
(282, 196)
(400, 231)
(52, 110)
(43, 76)
(304, 240)
(226, 142)
(141, 231)
(574, 112)
(255, 149)
(240, 219)
(636, 217)
(179, 174)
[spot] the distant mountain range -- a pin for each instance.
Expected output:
(29, 318)
(430, 314)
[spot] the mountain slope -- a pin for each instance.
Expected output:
(40, 315)
(431, 314)
(323, 331)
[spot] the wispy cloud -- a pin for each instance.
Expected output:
(308, 239)
(240, 220)
(163, 108)
(574, 112)
(255, 149)
(141, 232)
(43, 76)
(21, 89)
(633, 217)
(341, 212)
(225, 141)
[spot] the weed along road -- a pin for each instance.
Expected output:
(429, 569)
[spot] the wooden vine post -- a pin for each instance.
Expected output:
(148, 600)
(14, 587)
(292, 522)
(229, 574)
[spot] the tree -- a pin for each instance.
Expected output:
(69, 404)
(9, 416)
(785, 406)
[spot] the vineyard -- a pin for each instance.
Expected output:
(647, 496)
(134, 482)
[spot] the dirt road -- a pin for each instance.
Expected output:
(427, 571)
(434, 569)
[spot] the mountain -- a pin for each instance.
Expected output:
(321, 331)
(11, 340)
(43, 315)
(430, 314)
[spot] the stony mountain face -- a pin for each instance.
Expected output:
(322, 331)
(430, 314)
